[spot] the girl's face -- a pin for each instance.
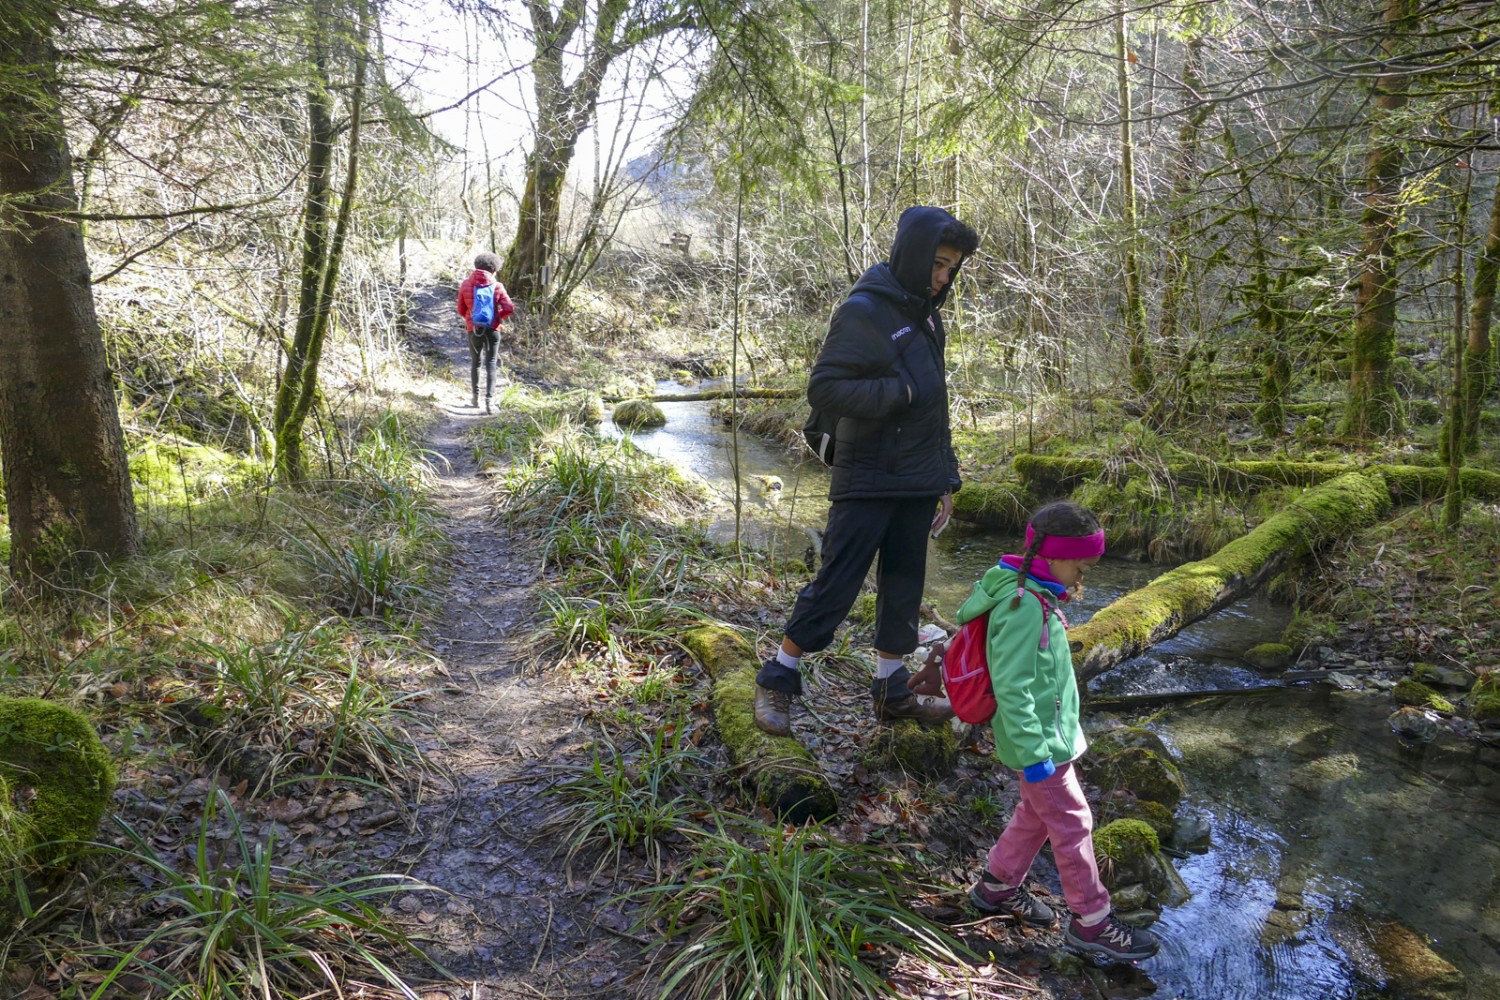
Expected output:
(1069, 572)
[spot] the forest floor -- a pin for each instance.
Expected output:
(506, 916)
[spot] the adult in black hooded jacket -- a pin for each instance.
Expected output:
(881, 371)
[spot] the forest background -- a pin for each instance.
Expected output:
(1230, 230)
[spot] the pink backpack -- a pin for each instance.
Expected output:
(966, 665)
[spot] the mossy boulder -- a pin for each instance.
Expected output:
(928, 752)
(639, 414)
(1112, 741)
(1484, 699)
(784, 776)
(1443, 677)
(1144, 773)
(1410, 692)
(57, 780)
(1155, 815)
(1269, 656)
(1003, 505)
(1047, 476)
(1130, 846)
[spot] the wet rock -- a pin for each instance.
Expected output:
(1154, 814)
(1146, 773)
(1126, 738)
(1320, 776)
(1125, 898)
(1411, 969)
(1286, 921)
(1442, 677)
(1131, 855)
(1414, 725)
(1343, 681)
(1269, 656)
(1193, 830)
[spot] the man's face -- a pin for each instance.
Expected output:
(944, 263)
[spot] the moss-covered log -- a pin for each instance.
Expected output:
(1045, 475)
(784, 775)
(1147, 616)
(694, 397)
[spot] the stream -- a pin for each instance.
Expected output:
(1324, 823)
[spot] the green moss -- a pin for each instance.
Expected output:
(1153, 814)
(639, 414)
(1269, 656)
(995, 505)
(784, 775)
(1046, 476)
(1144, 773)
(1108, 743)
(52, 760)
(916, 749)
(1144, 617)
(863, 610)
(1127, 850)
(1484, 699)
(1411, 692)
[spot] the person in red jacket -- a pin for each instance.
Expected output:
(483, 304)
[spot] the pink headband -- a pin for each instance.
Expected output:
(1067, 546)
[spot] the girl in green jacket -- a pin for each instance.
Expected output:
(1037, 733)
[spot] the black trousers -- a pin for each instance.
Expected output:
(860, 531)
(483, 341)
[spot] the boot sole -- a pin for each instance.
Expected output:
(1101, 950)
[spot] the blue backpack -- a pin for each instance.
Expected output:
(483, 312)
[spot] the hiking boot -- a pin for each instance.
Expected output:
(773, 711)
(474, 399)
(989, 898)
(1112, 938)
(928, 711)
(486, 404)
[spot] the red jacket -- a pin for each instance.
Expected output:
(503, 306)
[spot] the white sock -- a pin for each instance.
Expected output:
(887, 665)
(1093, 919)
(788, 660)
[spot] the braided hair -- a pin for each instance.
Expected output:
(1063, 518)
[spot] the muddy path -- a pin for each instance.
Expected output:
(506, 919)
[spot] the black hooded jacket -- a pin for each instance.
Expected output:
(884, 339)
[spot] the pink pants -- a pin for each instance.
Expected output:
(1053, 809)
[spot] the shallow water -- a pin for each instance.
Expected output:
(1322, 819)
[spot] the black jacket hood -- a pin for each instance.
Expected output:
(913, 248)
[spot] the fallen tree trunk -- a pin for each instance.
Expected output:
(784, 776)
(1181, 596)
(694, 397)
(1049, 476)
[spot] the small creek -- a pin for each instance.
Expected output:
(1322, 820)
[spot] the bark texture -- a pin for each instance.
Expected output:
(67, 482)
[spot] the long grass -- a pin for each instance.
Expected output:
(778, 915)
(234, 924)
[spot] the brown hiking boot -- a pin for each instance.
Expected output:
(929, 712)
(989, 897)
(773, 711)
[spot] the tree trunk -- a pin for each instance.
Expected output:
(1135, 304)
(1176, 280)
(1479, 360)
(1371, 410)
(67, 482)
(320, 253)
(524, 271)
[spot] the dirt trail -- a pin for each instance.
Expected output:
(509, 925)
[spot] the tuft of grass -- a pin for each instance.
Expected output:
(625, 800)
(787, 916)
(232, 923)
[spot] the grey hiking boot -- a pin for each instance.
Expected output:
(989, 897)
(773, 711)
(474, 399)
(1112, 938)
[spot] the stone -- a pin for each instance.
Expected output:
(1269, 656)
